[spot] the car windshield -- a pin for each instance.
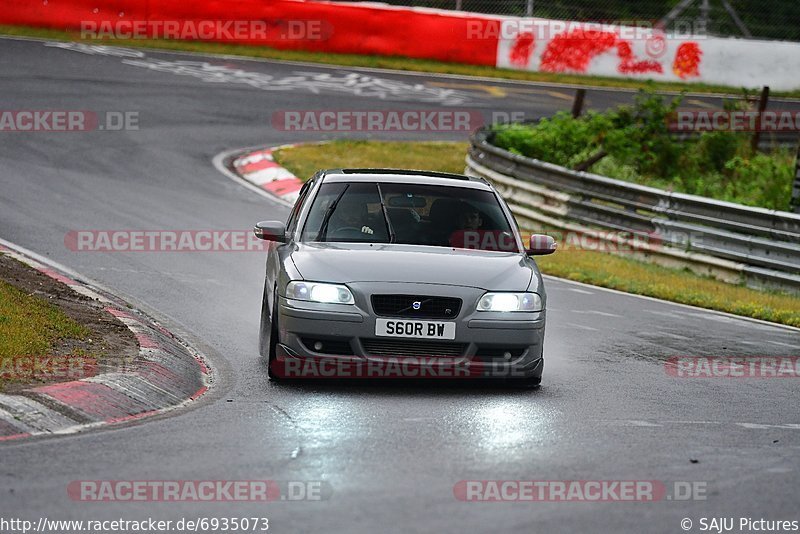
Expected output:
(411, 214)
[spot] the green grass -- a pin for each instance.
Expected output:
(386, 62)
(29, 328)
(591, 267)
(631, 276)
(305, 160)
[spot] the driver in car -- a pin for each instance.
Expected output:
(351, 216)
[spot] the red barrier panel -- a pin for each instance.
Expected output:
(345, 28)
(68, 14)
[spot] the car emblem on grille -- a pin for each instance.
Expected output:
(416, 305)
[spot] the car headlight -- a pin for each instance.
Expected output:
(318, 292)
(510, 302)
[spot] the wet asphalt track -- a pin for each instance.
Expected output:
(391, 454)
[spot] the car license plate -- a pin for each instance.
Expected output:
(418, 329)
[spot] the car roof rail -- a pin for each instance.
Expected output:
(407, 172)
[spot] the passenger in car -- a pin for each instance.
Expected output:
(465, 234)
(471, 233)
(469, 218)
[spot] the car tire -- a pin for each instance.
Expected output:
(263, 345)
(273, 338)
(530, 382)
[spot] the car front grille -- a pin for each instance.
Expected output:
(427, 307)
(405, 347)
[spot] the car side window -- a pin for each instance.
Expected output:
(291, 224)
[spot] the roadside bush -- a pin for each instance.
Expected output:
(641, 149)
(559, 139)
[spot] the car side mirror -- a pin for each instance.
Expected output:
(270, 231)
(541, 245)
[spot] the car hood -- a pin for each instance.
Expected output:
(342, 263)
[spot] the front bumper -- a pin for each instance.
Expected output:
(340, 340)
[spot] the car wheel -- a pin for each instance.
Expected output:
(263, 344)
(273, 339)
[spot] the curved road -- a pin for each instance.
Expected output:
(390, 454)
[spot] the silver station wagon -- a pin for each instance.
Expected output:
(386, 273)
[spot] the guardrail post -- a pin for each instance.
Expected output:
(762, 106)
(577, 104)
(796, 185)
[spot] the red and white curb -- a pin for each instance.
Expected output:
(260, 169)
(165, 375)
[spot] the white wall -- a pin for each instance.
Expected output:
(726, 61)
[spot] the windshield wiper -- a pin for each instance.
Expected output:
(392, 236)
(323, 229)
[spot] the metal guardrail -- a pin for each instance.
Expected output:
(738, 243)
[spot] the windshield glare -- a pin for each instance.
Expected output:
(409, 214)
